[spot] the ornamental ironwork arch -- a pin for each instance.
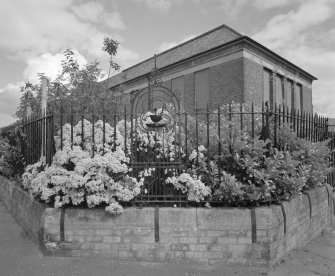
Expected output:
(155, 106)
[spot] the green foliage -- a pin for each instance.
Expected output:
(110, 46)
(314, 155)
(12, 153)
(74, 85)
(249, 171)
(31, 95)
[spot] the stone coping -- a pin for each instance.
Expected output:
(256, 236)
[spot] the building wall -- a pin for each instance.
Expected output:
(307, 99)
(235, 75)
(189, 93)
(253, 81)
(226, 83)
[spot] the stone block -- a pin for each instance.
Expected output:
(188, 239)
(180, 219)
(111, 239)
(194, 255)
(181, 247)
(126, 254)
(215, 255)
(198, 247)
(102, 246)
(224, 219)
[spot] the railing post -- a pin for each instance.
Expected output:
(44, 85)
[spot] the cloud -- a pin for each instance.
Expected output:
(9, 100)
(48, 64)
(297, 36)
(161, 6)
(39, 26)
(95, 12)
(170, 44)
(266, 4)
(36, 32)
(284, 29)
(6, 119)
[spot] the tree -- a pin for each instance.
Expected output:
(31, 96)
(110, 47)
(73, 84)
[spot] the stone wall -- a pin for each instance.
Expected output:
(27, 211)
(258, 236)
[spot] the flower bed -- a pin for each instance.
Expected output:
(257, 236)
(91, 168)
(92, 164)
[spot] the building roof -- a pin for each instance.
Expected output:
(211, 40)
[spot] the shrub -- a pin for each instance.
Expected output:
(12, 153)
(76, 176)
(247, 170)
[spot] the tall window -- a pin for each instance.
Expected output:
(280, 99)
(289, 94)
(266, 86)
(178, 87)
(201, 88)
(298, 97)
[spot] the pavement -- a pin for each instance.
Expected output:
(19, 256)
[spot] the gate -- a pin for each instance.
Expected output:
(155, 141)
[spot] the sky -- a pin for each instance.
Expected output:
(35, 33)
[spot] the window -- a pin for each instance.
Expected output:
(266, 85)
(289, 94)
(298, 97)
(177, 86)
(280, 99)
(201, 88)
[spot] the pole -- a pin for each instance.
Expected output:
(44, 86)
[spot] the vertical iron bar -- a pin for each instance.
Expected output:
(114, 118)
(207, 117)
(241, 116)
(82, 131)
(263, 121)
(219, 140)
(72, 127)
(186, 131)
(252, 120)
(29, 141)
(275, 127)
(51, 138)
(61, 130)
(309, 126)
(125, 129)
(103, 127)
(93, 134)
(230, 127)
(293, 117)
(197, 132)
(103, 132)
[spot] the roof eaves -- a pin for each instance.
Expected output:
(276, 56)
(191, 57)
(229, 43)
(188, 41)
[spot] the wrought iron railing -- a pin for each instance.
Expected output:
(207, 127)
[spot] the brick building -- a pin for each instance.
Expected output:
(221, 66)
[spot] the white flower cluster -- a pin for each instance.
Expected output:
(82, 135)
(194, 154)
(195, 188)
(146, 172)
(75, 177)
(148, 141)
